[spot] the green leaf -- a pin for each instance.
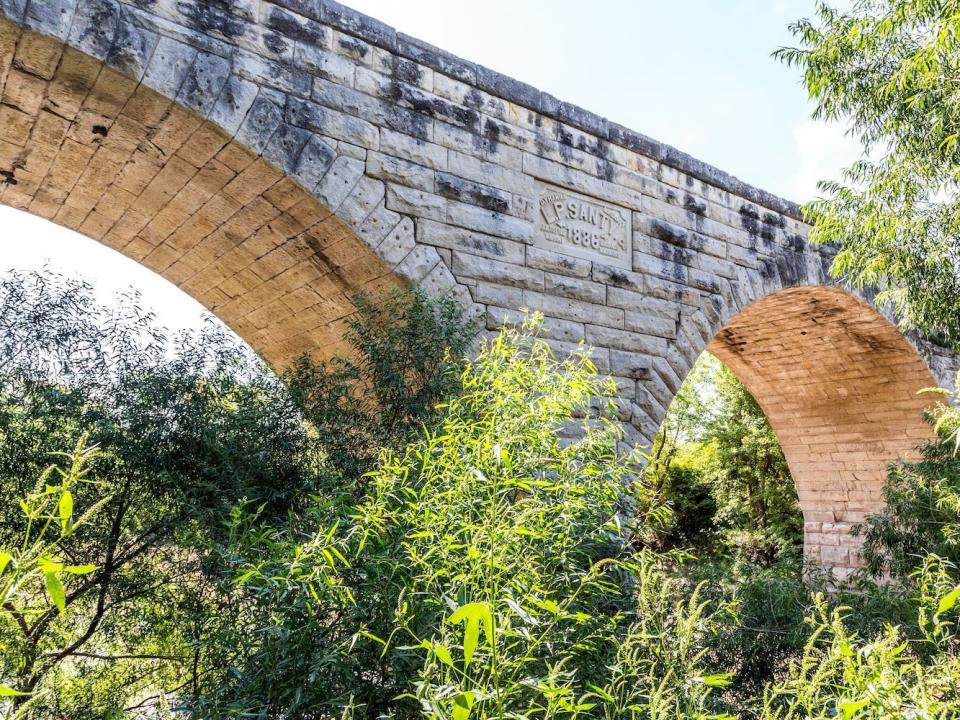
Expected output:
(79, 569)
(55, 589)
(462, 704)
(473, 614)
(948, 600)
(48, 565)
(549, 605)
(850, 708)
(66, 509)
(443, 653)
(720, 680)
(5, 559)
(10, 692)
(602, 694)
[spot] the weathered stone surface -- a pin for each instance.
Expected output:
(272, 158)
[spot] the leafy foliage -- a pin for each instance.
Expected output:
(841, 675)
(489, 571)
(887, 69)
(922, 510)
(405, 351)
(718, 464)
(187, 430)
(34, 577)
(206, 560)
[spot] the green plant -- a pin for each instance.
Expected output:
(921, 514)
(886, 69)
(718, 464)
(405, 354)
(841, 675)
(36, 582)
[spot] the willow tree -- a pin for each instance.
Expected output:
(890, 70)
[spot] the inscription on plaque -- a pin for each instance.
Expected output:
(587, 227)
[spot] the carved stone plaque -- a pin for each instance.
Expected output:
(574, 224)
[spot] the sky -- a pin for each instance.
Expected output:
(696, 74)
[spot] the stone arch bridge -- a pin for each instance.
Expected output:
(273, 158)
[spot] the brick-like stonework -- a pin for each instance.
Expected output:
(273, 158)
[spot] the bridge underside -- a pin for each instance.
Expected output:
(838, 383)
(97, 152)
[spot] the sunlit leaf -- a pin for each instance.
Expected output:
(850, 708)
(55, 590)
(948, 600)
(462, 704)
(65, 507)
(473, 614)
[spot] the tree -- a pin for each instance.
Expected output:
(490, 571)
(406, 353)
(888, 69)
(190, 431)
(921, 512)
(718, 464)
(182, 433)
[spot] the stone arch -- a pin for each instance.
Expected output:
(838, 382)
(188, 168)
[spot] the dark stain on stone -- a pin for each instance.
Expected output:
(692, 204)
(768, 268)
(796, 242)
(275, 43)
(408, 122)
(792, 268)
(775, 220)
(354, 47)
(433, 106)
(406, 71)
(473, 99)
(605, 170)
(100, 130)
(212, 16)
(731, 340)
(680, 256)
(285, 24)
(674, 271)
(662, 230)
(455, 188)
(541, 144)
(8, 177)
(750, 221)
(564, 136)
(620, 279)
(491, 133)
(600, 147)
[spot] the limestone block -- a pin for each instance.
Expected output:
(398, 243)
(418, 263)
(473, 266)
(339, 181)
(474, 243)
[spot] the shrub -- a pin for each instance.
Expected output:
(921, 514)
(406, 352)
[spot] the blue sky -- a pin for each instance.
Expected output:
(693, 73)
